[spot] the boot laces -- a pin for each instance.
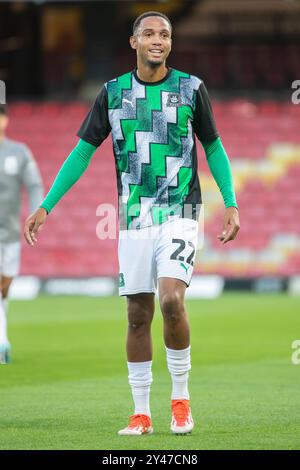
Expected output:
(180, 411)
(138, 420)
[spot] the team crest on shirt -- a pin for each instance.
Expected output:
(174, 99)
(11, 165)
(121, 280)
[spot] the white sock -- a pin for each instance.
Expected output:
(140, 379)
(179, 363)
(3, 322)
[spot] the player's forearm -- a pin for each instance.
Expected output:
(220, 168)
(70, 172)
(35, 196)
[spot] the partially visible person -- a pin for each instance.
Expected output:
(17, 169)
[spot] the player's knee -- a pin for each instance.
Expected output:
(137, 327)
(4, 292)
(172, 306)
(5, 283)
(138, 320)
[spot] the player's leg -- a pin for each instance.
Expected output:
(3, 322)
(10, 263)
(140, 308)
(176, 325)
(137, 284)
(177, 343)
(175, 258)
(3, 329)
(5, 283)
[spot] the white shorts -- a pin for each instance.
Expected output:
(10, 259)
(166, 250)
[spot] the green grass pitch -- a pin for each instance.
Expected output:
(67, 386)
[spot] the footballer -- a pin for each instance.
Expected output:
(17, 169)
(153, 113)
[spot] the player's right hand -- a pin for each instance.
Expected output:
(33, 225)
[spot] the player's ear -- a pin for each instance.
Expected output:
(132, 41)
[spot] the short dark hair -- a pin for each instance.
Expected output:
(138, 20)
(3, 109)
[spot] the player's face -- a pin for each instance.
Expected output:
(152, 40)
(3, 123)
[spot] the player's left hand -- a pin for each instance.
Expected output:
(231, 225)
(33, 225)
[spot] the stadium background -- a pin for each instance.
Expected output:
(54, 56)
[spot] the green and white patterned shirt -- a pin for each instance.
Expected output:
(153, 126)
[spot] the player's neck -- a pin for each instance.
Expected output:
(149, 74)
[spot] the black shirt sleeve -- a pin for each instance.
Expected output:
(204, 123)
(96, 127)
